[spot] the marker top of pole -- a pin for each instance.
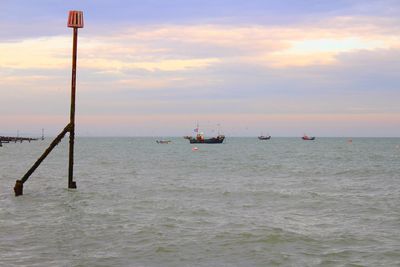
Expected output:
(75, 19)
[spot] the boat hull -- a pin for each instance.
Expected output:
(163, 141)
(308, 138)
(213, 140)
(264, 137)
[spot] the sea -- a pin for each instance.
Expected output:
(246, 202)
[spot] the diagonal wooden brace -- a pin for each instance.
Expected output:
(19, 184)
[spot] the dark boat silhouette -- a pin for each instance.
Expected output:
(263, 137)
(163, 141)
(201, 140)
(306, 137)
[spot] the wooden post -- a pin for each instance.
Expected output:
(75, 21)
(71, 183)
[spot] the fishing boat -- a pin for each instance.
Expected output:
(200, 139)
(264, 137)
(306, 137)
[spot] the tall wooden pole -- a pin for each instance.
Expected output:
(71, 183)
(75, 21)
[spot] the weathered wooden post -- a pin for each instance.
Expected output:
(75, 21)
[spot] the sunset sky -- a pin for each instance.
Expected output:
(156, 67)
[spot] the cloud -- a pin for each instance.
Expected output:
(179, 47)
(162, 65)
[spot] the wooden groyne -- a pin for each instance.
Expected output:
(13, 139)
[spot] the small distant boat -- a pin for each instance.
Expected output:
(264, 137)
(163, 141)
(306, 137)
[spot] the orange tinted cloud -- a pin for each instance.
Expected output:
(160, 47)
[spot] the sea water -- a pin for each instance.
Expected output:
(281, 202)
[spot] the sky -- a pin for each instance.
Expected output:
(244, 68)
